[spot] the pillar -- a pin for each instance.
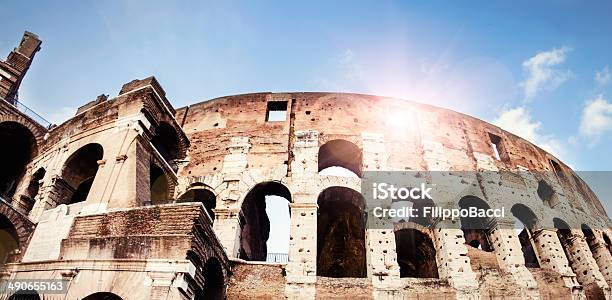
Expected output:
(453, 261)
(507, 248)
(584, 265)
(547, 247)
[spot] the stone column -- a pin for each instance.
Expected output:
(302, 266)
(381, 256)
(602, 256)
(226, 227)
(510, 257)
(453, 261)
(121, 180)
(551, 256)
(584, 265)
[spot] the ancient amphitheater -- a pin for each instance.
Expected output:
(134, 199)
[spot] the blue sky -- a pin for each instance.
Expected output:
(541, 70)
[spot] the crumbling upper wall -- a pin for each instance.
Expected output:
(17, 63)
(409, 129)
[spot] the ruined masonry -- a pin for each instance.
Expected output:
(134, 199)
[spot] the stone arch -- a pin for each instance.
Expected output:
(476, 230)
(342, 155)
(590, 238)
(18, 228)
(78, 174)
(9, 240)
(25, 295)
(37, 130)
(341, 233)
(168, 142)
(254, 220)
(29, 198)
(15, 158)
(160, 185)
(103, 296)
(199, 192)
(607, 241)
(214, 281)
(416, 253)
(529, 222)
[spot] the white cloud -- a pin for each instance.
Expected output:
(603, 77)
(543, 72)
(596, 118)
(518, 121)
(60, 115)
(353, 71)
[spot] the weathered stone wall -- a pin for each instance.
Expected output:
(234, 147)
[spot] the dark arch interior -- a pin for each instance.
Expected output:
(564, 234)
(341, 233)
(562, 227)
(608, 242)
(102, 296)
(529, 220)
(214, 286)
(25, 295)
(79, 172)
(340, 153)
(9, 240)
(476, 228)
(590, 237)
(33, 188)
(202, 195)
(160, 190)
(19, 147)
(588, 233)
(166, 141)
(416, 254)
(254, 221)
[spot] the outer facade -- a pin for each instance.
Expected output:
(134, 200)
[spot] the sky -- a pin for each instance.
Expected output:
(541, 70)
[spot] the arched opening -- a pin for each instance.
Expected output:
(256, 224)
(166, 141)
(341, 233)
(525, 222)
(33, 187)
(198, 193)
(564, 234)
(589, 237)
(608, 242)
(547, 193)
(102, 296)
(416, 254)
(14, 158)
(79, 172)
(9, 240)
(340, 158)
(25, 295)
(476, 229)
(160, 189)
(214, 283)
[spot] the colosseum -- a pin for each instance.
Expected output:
(132, 198)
